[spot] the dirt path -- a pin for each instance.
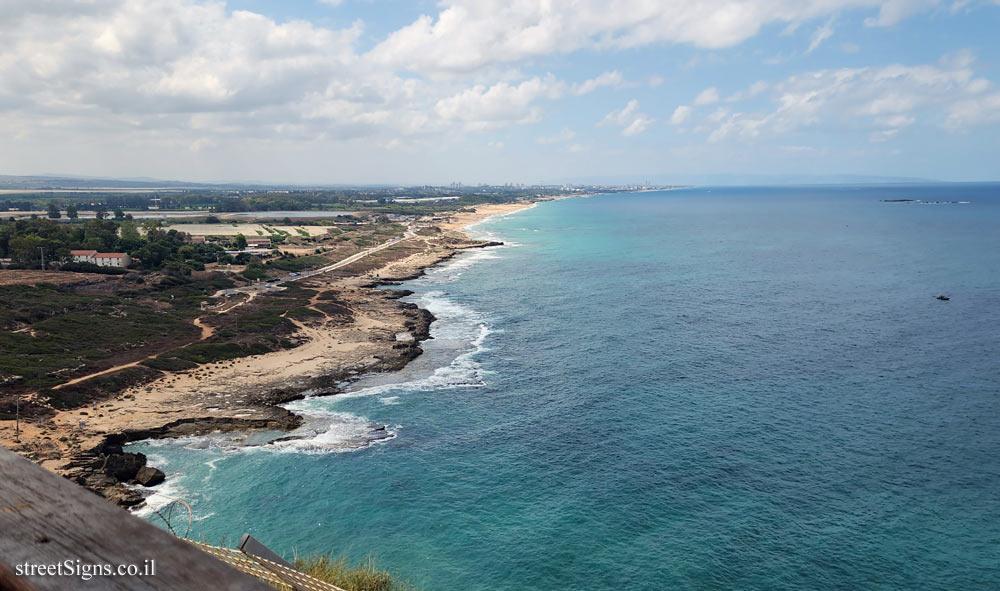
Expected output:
(206, 332)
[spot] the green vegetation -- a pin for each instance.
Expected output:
(49, 334)
(167, 363)
(77, 395)
(363, 576)
(154, 249)
(303, 313)
(92, 268)
(295, 264)
(222, 200)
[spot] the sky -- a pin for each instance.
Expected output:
(496, 91)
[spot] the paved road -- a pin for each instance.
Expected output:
(263, 287)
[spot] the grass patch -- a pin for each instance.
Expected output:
(363, 576)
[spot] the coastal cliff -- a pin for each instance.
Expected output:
(351, 326)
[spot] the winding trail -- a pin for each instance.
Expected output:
(206, 332)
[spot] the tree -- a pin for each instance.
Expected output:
(119, 214)
(54, 211)
(129, 238)
(24, 250)
(71, 212)
(101, 213)
(240, 241)
(212, 220)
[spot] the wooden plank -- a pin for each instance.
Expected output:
(249, 545)
(46, 519)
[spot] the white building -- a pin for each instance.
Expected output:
(101, 259)
(83, 256)
(112, 259)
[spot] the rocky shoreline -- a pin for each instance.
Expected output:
(356, 327)
(107, 469)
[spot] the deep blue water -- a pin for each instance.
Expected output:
(713, 388)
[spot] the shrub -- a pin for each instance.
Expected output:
(303, 313)
(364, 576)
(254, 273)
(92, 268)
(169, 364)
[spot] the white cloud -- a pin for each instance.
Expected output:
(630, 118)
(614, 78)
(895, 120)
(482, 107)
(151, 63)
(966, 113)
(884, 135)
(885, 100)
(707, 97)
(682, 115)
(753, 90)
(891, 12)
(563, 136)
(718, 115)
(110, 80)
(201, 144)
(822, 34)
(182, 73)
(466, 35)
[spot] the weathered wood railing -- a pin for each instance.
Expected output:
(46, 520)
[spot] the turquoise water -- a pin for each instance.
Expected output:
(702, 389)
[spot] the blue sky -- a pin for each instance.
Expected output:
(371, 91)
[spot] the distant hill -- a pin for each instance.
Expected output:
(41, 182)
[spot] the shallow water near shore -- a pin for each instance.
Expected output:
(713, 388)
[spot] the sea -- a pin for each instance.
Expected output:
(705, 388)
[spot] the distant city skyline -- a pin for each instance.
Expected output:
(393, 92)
